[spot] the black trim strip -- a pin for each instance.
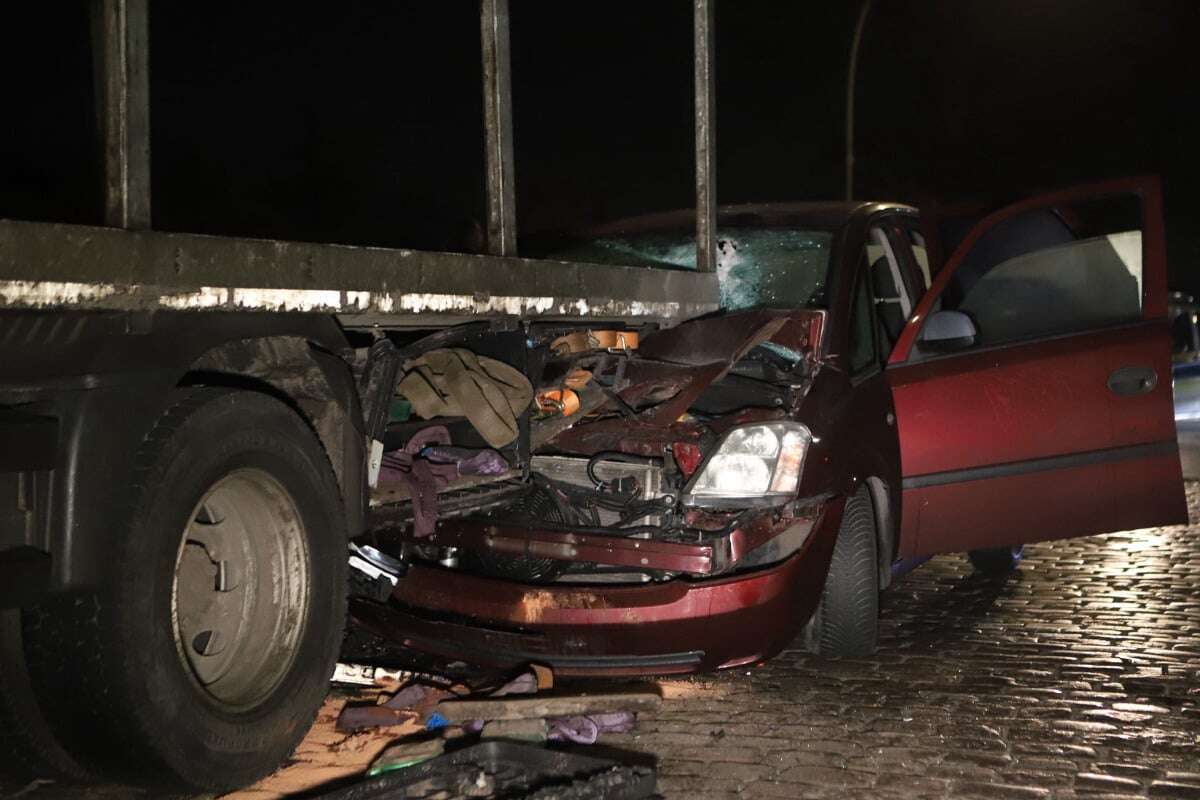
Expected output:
(1042, 464)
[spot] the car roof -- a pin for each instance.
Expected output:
(830, 214)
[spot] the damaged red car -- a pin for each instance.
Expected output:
(694, 498)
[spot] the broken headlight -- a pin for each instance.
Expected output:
(755, 464)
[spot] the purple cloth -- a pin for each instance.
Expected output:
(586, 730)
(409, 696)
(468, 460)
(525, 683)
(427, 464)
(421, 477)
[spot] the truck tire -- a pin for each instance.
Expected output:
(846, 622)
(28, 748)
(200, 661)
(997, 561)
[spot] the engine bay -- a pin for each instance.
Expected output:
(595, 456)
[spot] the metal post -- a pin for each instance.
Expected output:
(706, 140)
(122, 62)
(497, 120)
(851, 78)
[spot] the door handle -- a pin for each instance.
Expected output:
(1128, 381)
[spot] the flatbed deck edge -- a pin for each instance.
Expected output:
(60, 266)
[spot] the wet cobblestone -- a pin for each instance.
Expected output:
(1078, 676)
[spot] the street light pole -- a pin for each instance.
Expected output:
(850, 79)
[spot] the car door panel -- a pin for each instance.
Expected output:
(1145, 488)
(980, 431)
(1054, 437)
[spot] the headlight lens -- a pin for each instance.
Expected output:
(753, 462)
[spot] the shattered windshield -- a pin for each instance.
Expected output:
(770, 267)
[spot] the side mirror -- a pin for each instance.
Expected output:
(948, 331)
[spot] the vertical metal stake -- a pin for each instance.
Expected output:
(121, 51)
(706, 140)
(497, 120)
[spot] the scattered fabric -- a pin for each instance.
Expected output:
(525, 683)
(587, 729)
(422, 477)
(455, 382)
(427, 464)
(357, 717)
(468, 460)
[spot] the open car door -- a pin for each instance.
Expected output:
(1033, 384)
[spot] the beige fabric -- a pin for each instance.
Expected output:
(455, 382)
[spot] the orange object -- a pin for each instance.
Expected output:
(558, 401)
(582, 341)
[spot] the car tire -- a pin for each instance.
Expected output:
(846, 622)
(996, 561)
(200, 661)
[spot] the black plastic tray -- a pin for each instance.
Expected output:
(509, 771)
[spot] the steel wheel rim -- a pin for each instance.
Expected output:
(240, 590)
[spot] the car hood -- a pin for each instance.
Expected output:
(672, 368)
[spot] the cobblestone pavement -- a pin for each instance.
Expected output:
(1078, 676)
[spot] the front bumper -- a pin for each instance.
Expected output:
(676, 626)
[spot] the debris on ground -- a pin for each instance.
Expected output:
(510, 770)
(368, 675)
(516, 730)
(384, 724)
(546, 706)
(406, 754)
(327, 754)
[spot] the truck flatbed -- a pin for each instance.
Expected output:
(85, 267)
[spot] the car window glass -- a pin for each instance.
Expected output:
(1052, 271)
(862, 330)
(893, 302)
(769, 266)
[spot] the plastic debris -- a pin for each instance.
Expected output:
(365, 675)
(406, 754)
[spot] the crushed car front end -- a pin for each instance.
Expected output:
(681, 536)
(668, 507)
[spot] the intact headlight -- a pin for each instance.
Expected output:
(754, 463)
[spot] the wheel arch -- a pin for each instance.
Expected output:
(316, 384)
(887, 509)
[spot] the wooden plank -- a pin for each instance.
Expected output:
(542, 706)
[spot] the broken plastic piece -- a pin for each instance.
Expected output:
(406, 754)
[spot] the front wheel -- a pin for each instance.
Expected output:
(201, 661)
(997, 560)
(846, 622)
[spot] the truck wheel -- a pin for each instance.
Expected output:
(28, 748)
(201, 660)
(997, 560)
(846, 622)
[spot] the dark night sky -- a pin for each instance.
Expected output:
(361, 122)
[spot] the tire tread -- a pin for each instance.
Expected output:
(849, 608)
